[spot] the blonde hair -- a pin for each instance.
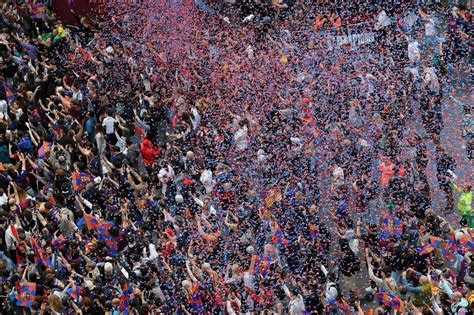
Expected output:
(55, 302)
(186, 284)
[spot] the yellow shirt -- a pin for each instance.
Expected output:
(61, 31)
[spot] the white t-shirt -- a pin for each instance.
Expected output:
(78, 96)
(18, 113)
(296, 306)
(432, 79)
(196, 122)
(249, 280)
(206, 180)
(101, 143)
(382, 20)
(430, 28)
(413, 51)
(241, 138)
(4, 109)
(409, 20)
(121, 143)
(3, 199)
(109, 123)
(10, 239)
(166, 172)
(331, 292)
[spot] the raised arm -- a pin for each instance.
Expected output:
(190, 273)
(35, 138)
(378, 281)
(204, 235)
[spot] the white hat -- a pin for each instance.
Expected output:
(97, 180)
(109, 50)
(206, 177)
(179, 198)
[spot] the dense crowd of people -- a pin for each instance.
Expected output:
(190, 157)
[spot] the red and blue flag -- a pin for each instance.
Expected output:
(59, 242)
(92, 222)
(45, 150)
(26, 294)
(391, 227)
(80, 180)
(125, 299)
(278, 237)
(389, 299)
(74, 292)
(8, 92)
(272, 196)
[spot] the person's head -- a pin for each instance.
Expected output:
(235, 269)
(206, 267)
(109, 112)
(108, 268)
(55, 303)
(415, 139)
(466, 189)
(429, 213)
(87, 302)
(411, 274)
(99, 128)
(294, 293)
(386, 160)
(186, 284)
(403, 289)
(457, 296)
(90, 266)
(190, 155)
(424, 280)
(21, 234)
